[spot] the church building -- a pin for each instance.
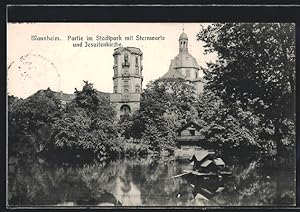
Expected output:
(185, 66)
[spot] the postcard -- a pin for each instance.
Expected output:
(151, 114)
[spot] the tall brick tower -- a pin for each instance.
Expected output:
(127, 80)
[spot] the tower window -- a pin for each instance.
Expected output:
(137, 70)
(136, 61)
(115, 71)
(126, 60)
(115, 89)
(116, 60)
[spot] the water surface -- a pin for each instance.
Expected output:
(146, 182)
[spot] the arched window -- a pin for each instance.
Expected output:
(126, 58)
(126, 90)
(136, 61)
(125, 109)
(184, 44)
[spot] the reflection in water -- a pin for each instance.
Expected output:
(145, 182)
(127, 193)
(202, 190)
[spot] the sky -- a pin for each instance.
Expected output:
(35, 65)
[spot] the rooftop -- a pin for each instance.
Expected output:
(132, 50)
(183, 36)
(190, 123)
(219, 162)
(200, 155)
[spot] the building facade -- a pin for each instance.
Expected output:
(189, 140)
(127, 80)
(185, 66)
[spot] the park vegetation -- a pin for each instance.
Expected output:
(247, 106)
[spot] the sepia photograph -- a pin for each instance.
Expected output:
(151, 114)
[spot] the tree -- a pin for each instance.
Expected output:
(255, 70)
(35, 111)
(12, 104)
(96, 105)
(30, 120)
(125, 125)
(237, 132)
(87, 124)
(165, 103)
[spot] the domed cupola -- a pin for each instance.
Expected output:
(184, 65)
(183, 42)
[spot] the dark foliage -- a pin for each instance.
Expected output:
(255, 73)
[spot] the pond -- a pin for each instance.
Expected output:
(146, 182)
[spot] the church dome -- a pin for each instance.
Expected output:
(181, 61)
(184, 65)
(184, 60)
(183, 36)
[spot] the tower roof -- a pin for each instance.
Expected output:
(132, 50)
(183, 36)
